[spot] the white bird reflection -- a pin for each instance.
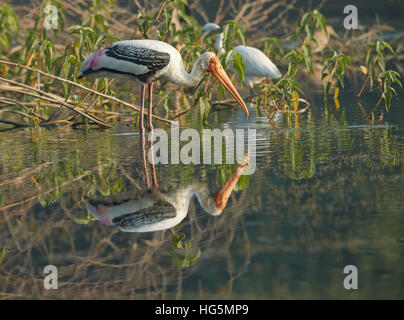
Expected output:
(153, 210)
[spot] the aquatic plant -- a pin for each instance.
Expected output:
(380, 78)
(48, 66)
(9, 28)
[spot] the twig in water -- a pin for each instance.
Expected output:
(363, 86)
(84, 88)
(49, 97)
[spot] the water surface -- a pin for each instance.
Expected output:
(328, 191)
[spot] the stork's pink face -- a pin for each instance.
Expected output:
(99, 212)
(92, 63)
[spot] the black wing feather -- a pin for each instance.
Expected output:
(159, 211)
(153, 59)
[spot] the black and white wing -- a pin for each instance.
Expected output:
(142, 210)
(158, 212)
(143, 63)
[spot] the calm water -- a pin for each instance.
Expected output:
(328, 191)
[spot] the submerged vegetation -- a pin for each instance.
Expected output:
(39, 68)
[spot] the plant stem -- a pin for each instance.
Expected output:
(84, 88)
(375, 107)
(363, 86)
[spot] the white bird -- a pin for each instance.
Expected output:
(153, 210)
(149, 60)
(258, 66)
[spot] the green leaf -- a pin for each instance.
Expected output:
(341, 79)
(368, 58)
(372, 78)
(205, 107)
(387, 99)
(397, 81)
(288, 55)
(382, 65)
(346, 58)
(2, 254)
(307, 59)
(304, 20)
(241, 35)
(220, 92)
(195, 257)
(238, 65)
(388, 46)
(5, 44)
(327, 87)
(228, 58)
(226, 38)
(379, 47)
(72, 59)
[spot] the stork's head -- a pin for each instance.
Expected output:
(207, 28)
(92, 63)
(210, 27)
(222, 196)
(211, 64)
(99, 212)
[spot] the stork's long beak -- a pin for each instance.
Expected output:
(215, 67)
(222, 196)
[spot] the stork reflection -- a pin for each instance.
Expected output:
(154, 210)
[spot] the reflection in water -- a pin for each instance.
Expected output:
(327, 192)
(153, 210)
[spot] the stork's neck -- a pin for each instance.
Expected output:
(213, 205)
(185, 79)
(219, 44)
(205, 198)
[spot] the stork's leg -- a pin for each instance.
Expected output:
(143, 151)
(153, 168)
(154, 177)
(142, 135)
(142, 94)
(149, 114)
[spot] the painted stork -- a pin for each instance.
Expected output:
(258, 66)
(153, 210)
(148, 60)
